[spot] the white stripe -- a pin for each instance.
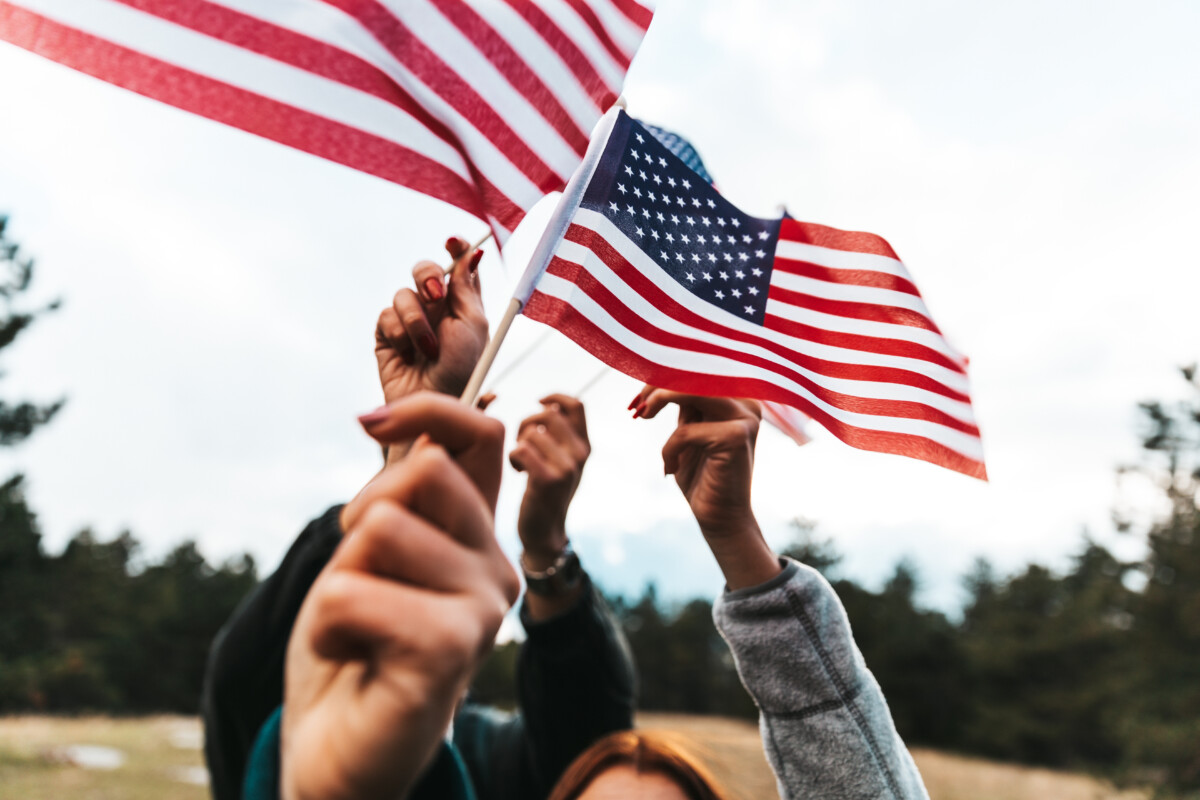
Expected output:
(840, 259)
(704, 364)
(849, 292)
(514, 109)
(953, 380)
(544, 61)
(244, 69)
(320, 21)
(620, 28)
(581, 35)
(861, 327)
(632, 299)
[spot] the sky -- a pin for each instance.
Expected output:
(1034, 164)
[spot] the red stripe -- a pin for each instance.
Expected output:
(439, 77)
(235, 107)
(561, 316)
(861, 405)
(870, 312)
(904, 409)
(635, 12)
(666, 304)
(289, 47)
(849, 277)
(794, 230)
(601, 93)
(857, 341)
(514, 68)
(593, 22)
(834, 369)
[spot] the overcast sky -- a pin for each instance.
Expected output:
(1035, 165)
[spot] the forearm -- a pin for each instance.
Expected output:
(575, 683)
(741, 552)
(243, 682)
(826, 725)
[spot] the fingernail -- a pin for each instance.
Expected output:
(641, 409)
(433, 288)
(428, 345)
(372, 417)
(451, 244)
(633, 402)
(636, 411)
(474, 265)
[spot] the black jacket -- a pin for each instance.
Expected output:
(575, 684)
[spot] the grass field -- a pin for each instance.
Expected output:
(162, 761)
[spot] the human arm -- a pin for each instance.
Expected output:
(826, 726)
(394, 628)
(243, 681)
(575, 679)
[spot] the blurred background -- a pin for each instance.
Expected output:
(196, 340)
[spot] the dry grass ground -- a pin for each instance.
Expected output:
(163, 752)
(732, 749)
(160, 752)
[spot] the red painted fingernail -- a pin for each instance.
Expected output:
(451, 243)
(474, 265)
(428, 345)
(434, 288)
(633, 402)
(373, 417)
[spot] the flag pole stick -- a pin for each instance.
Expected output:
(556, 228)
(446, 270)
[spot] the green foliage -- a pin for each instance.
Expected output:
(18, 420)
(89, 629)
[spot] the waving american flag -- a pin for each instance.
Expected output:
(485, 104)
(664, 279)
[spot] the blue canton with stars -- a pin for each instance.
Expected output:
(696, 236)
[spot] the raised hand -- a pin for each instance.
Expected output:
(396, 625)
(711, 455)
(430, 339)
(552, 447)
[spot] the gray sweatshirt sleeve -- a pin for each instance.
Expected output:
(825, 725)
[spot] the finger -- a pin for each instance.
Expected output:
(710, 408)
(474, 440)
(554, 422)
(526, 457)
(356, 615)
(554, 453)
(432, 485)
(711, 436)
(353, 614)
(456, 246)
(571, 407)
(428, 278)
(464, 292)
(485, 400)
(391, 336)
(394, 541)
(416, 324)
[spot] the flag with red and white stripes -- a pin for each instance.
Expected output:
(485, 104)
(661, 277)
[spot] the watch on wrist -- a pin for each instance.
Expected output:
(560, 577)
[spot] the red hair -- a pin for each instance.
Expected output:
(644, 751)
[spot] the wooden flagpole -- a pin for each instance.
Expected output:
(572, 195)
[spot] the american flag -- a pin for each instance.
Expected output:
(661, 277)
(485, 104)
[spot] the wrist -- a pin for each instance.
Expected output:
(742, 553)
(542, 550)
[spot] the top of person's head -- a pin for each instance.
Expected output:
(633, 764)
